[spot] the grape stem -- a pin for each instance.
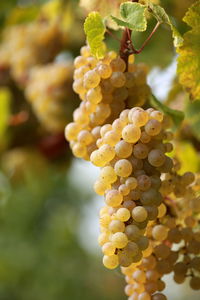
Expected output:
(127, 48)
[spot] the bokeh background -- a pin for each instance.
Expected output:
(48, 210)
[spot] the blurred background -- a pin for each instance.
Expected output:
(48, 210)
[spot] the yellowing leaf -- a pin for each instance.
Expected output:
(192, 17)
(189, 54)
(94, 29)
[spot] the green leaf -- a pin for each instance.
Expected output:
(134, 15)
(161, 16)
(5, 98)
(119, 22)
(94, 29)
(189, 54)
(177, 116)
(193, 117)
(21, 15)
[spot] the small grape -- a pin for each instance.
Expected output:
(108, 174)
(110, 262)
(117, 79)
(116, 226)
(123, 168)
(91, 79)
(108, 249)
(113, 198)
(104, 71)
(131, 183)
(123, 149)
(131, 133)
(139, 276)
(160, 232)
(153, 127)
(156, 157)
(139, 214)
(132, 232)
(123, 214)
(119, 240)
(159, 296)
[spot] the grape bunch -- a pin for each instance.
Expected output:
(172, 228)
(106, 88)
(50, 94)
(149, 207)
(130, 181)
(26, 45)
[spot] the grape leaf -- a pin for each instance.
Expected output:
(133, 15)
(161, 16)
(94, 29)
(189, 54)
(192, 16)
(177, 116)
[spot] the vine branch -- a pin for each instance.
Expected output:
(127, 48)
(148, 38)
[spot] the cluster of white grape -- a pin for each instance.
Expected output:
(145, 210)
(144, 279)
(130, 180)
(49, 91)
(26, 45)
(105, 88)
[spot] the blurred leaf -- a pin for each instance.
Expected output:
(193, 116)
(58, 11)
(105, 8)
(5, 99)
(188, 157)
(22, 15)
(5, 7)
(177, 116)
(94, 29)
(133, 15)
(4, 189)
(189, 54)
(160, 14)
